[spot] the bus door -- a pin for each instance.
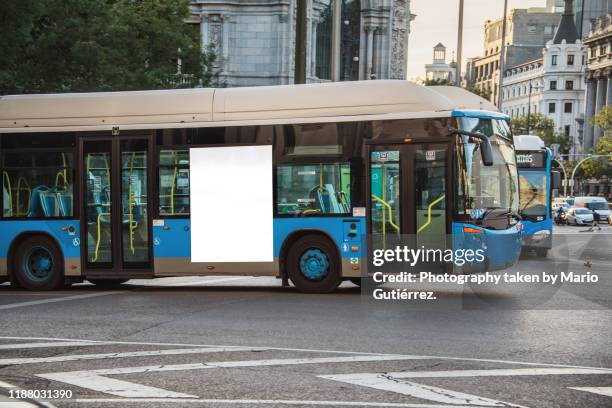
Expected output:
(115, 177)
(408, 195)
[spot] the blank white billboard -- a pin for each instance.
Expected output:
(231, 204)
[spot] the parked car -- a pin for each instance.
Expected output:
(579, 216)
(598, 205)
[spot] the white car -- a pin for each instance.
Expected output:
(579, 216)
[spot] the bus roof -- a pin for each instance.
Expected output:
(528, 142)
(133, 109)
(468, 104)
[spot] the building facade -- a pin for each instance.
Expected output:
(255, 40)
(552, 85)
(527, 31)
(598, 76)
(439, 69)
(584, 12)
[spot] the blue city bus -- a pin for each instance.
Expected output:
(286, 181)
(537, 182)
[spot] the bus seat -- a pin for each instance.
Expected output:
(49, 203)
(64, 199)
(6, 199)
(35, 209)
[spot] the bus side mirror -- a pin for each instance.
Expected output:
(556, 180)
(486, 152)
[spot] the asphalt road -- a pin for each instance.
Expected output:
(243, 341)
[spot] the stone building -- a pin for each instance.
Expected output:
(598, 76)
(439, 69)
(553, 84)
(527, 31)
(255, 39)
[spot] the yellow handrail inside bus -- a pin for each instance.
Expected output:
(389, 209)
(9, 190)
(311, 211)
(429, 213)
(18, 191)
(131, 204)
(174, 175)
(62, 173)
(321, 178)
(95, 257)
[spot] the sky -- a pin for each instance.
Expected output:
(436, 21)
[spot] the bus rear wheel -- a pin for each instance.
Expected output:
(38, 264)
(313, 265)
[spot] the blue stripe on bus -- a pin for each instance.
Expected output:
(481, 114)
(69, 243)
(173, 239)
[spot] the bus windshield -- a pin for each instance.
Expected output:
(482, 188)
(533, 193)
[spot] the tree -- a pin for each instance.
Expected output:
(604, 119)
(483, 93)
(597, 168)
(436, 82)
(542, 126)
(94, 45)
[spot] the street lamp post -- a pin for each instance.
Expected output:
(592, 156)
(529, 109)
(564, 177)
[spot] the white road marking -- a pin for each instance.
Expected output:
(49, 345)
(511, 372)
(95, 380)
(267, 402)
(148, 353)
(60, 299)
(606, 391)
(426, 392)
(199, 282)
(358, 353)
(394, 382)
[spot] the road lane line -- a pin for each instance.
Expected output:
(605, 391)
(53, 300)
(148, 353)
(267, 402)
(357, 353)
(386, 382)
(513, 372)
(206, 281)
(96, 380)
(49, 345)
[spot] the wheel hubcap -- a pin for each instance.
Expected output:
(38, 264)
(314, 264)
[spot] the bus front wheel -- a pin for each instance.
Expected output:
(38, 264)
(313, 265)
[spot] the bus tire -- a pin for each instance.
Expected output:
(313, 265)
(107, 283)
(38, 264)
(541, 252)
(356, 281)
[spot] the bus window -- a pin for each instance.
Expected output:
(173, 182)
(314, 189)
(37, 184)
(321, 139)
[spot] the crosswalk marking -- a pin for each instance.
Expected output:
(606, 391)
(395, 382)
(96, 380)
(250, 402)
(426, 392)
(148, 353)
